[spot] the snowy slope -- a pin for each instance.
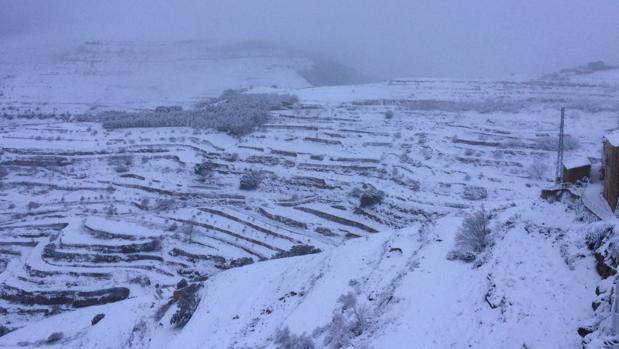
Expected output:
(87, 211)
(415, 298)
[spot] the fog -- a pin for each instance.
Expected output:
(481, 38)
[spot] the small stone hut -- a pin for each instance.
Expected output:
(575, 170)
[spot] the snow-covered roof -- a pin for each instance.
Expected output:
(613, 139)
(576, 162)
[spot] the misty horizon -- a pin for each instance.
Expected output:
(383, 40)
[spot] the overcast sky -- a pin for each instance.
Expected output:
(450, 38)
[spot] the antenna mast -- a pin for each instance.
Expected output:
(559, 173)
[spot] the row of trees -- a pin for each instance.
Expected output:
(233, 112)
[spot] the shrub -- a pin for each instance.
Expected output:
(551, 143)
(110, 210)
(121, 164)
(570, 143)
(54, 338)
(537, 169)
(204, 169)
(95, 320)
(187, 231)
(596, 234)
(141, 280)
(145, 204)
(388, 114)
(337, 332)
(163, 204)
(250, 180)
(168, 109)
(188, 301)
(474, 193)
(324, 231)
(33, 205)
(239, 262)
(297, 250)
(349, 321)
(234, 112)
(4, 330)
(472, 236)
(461, 255)
(285, 340)
(371, 197)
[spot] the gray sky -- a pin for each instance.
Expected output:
(450, 38)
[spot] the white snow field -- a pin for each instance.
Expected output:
(106, 221)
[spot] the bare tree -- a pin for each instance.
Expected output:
(187, 231)
(286, 340)
(537, 169)
(473, 233)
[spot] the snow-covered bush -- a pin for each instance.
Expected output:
(33, 205)
(234, 112)
(337, 332)
(187, 231)
(286, 340)
(121, 164)
(368, 195)
(3, 329)
(570, 142)
(110, 210)
(389, 114)
(144, 203)
(371, 197)
(239, 262)
(597, 233)
(163, 204)
(167, 109)
(537, 169)
(551, 143)
(250, 180)
(603, 240)
(474, 193)
(297, 250)
(465, 256)
(205, 169)
(350, 320)
(473, 235)
(188, 300)
(54, 338)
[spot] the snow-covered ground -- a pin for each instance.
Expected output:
(97, 221)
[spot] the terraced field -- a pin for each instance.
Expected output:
(91, 216)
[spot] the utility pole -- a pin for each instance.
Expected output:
(559, 173)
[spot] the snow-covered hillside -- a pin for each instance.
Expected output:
(126, 75)
(334, 223)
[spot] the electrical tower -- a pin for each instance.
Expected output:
(559, 173)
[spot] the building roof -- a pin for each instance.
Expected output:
(576, 162)
(613, 139)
